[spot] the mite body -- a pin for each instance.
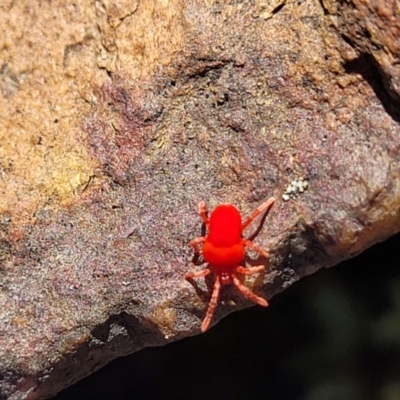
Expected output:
(224, 249)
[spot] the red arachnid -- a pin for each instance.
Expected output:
(224, 249)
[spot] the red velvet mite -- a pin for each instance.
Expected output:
(224, 249)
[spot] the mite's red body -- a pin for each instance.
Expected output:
(224, 251)
(223, 248)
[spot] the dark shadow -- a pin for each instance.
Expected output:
(366, 66)
(121, 334)
(205, 297)
(260, 225)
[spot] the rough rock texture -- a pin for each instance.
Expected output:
(373, 27)
(117, 118)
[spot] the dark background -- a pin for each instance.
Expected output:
(333, 335)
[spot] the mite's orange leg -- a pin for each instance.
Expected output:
(256, 248)
(198, 274)
(266, 206)
(195, 243)
(212, 305)
(250, 270)
(248, 293)
(203, 212)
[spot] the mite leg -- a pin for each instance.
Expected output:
(250, 270)
(203, 212)
(198, 274)
(248, 293)
(212, 305)
(195, 243)
(256, 248)
(266, 206)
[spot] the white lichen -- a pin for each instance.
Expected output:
(295, 187)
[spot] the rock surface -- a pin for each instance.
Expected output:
(117, 118)
(373, 28)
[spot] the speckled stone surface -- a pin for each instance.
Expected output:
(373, 28)
(117, 118)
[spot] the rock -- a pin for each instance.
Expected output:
(118, 118)
(373, 28)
